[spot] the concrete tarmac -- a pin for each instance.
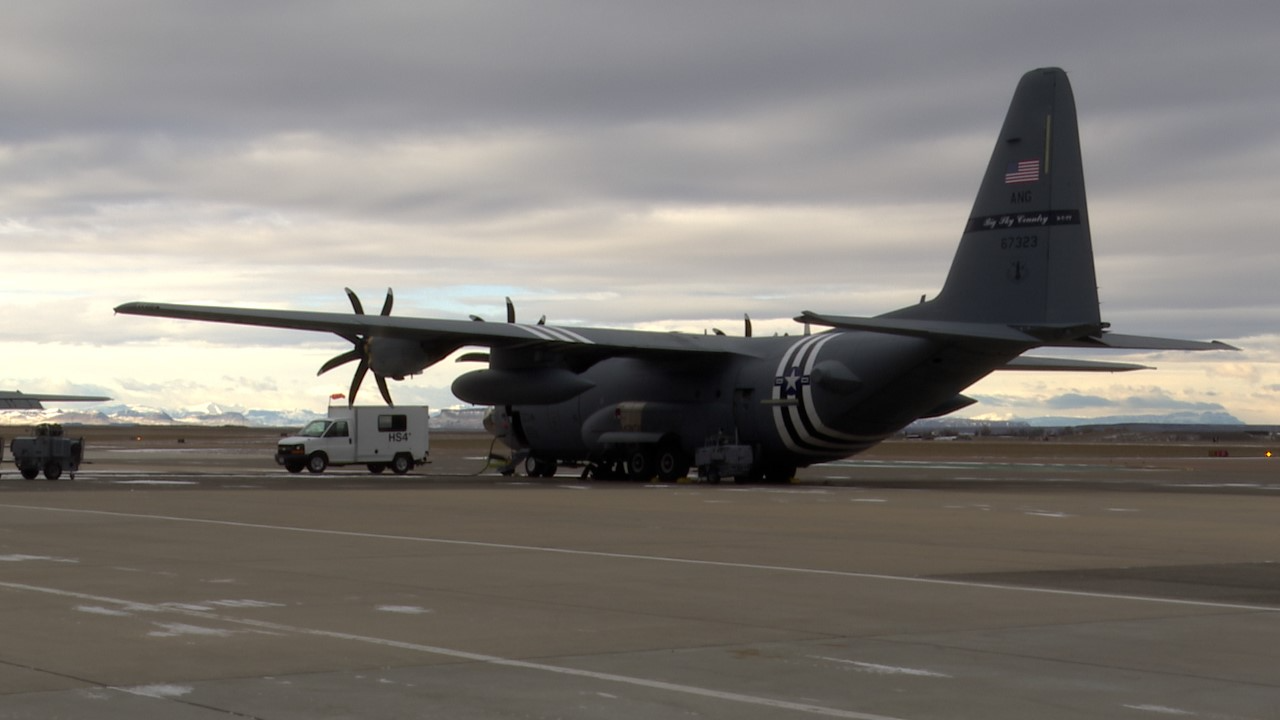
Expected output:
(202, 583)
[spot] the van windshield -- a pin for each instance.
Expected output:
(315, 428)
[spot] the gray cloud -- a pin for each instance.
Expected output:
(611, 164)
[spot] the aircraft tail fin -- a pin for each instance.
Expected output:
(1025, 258)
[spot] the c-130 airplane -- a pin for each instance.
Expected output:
(641, 403)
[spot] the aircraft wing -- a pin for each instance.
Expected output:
(446, 335)
(18, 400)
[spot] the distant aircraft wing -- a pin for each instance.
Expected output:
(18, 400)
(444, 335)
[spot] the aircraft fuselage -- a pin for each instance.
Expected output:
(794, 400)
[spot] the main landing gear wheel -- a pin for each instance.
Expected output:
(641, 465)
(672, 463)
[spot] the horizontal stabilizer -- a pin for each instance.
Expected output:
(935, 329)
(1046, 364)
(1139, 342)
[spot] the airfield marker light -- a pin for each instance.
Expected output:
(1268, 453)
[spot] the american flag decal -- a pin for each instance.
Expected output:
(1022, 172)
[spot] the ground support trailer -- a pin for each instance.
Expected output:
(48, 452)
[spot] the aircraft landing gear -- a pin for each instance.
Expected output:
(540, 467)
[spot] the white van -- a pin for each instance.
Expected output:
(378, 436)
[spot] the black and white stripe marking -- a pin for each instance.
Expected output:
(554, 334)
(799, 425)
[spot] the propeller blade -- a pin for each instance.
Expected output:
(511, 311)
(342, 359)
(382, 388)
(355, 301)
(386, 304)
(356, 380)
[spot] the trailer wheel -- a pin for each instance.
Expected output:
(401, 464)
(52, 470)
(317, 462)
(376, 468)
(30, 472)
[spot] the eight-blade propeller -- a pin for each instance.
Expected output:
(360, 352)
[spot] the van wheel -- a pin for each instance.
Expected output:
(317, 463)
(377, 468)
(294, 466)
(401, 464)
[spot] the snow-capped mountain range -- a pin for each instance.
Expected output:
(209, 415)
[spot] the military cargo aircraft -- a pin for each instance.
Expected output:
(646, 403)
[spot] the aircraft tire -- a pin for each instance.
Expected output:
(671, 462)
(317, 463)
(540, 467)
(401, 464)
(641, 466)
(52, 470)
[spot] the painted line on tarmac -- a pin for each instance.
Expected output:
(131, 605)
(666, 559)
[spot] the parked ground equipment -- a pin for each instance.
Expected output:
(48, 452)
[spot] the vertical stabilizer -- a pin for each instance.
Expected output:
(1025, 257)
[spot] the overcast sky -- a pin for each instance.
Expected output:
(666, 165)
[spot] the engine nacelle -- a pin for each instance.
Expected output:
(398, 358)
(531, 386)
